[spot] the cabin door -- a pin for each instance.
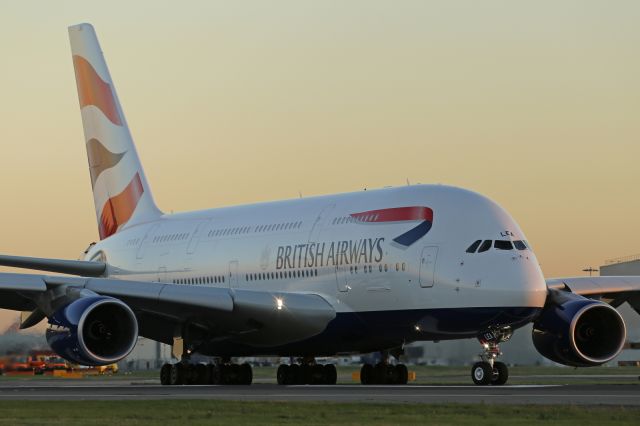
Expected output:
(428, 266)
(341, 278)
(233, 274)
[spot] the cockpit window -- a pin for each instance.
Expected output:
(473, 247)
(503, 245)
(482, 246)
(486, 245)
(520, 245)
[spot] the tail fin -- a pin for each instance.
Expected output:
(120, 190)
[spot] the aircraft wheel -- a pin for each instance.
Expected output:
(176, 375)
(234, 374)
(211, 374)
(381, 374)
(366, 374)
(283, 374)
(500, 373)
(165, 374)
(307, 374)
(481, 373)
(402, 374)
(201, 374)
(317, 374)
(295, 371)
(330, 374)
(246, 374)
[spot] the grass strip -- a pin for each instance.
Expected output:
(205, 412)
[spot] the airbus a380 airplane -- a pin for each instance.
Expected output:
(302, 278)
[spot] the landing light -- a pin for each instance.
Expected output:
(279, 303)
(417, 327)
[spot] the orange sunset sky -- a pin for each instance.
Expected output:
(534, 104)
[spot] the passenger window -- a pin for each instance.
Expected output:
(486, 245)
(473, 247)
(503, 245)
(520, 245)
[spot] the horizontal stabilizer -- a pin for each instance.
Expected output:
(71, 267)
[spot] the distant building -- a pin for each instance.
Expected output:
(629, 265)
(147, 355)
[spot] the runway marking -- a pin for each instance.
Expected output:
(425, 386)
(13, 387)
(245, 396)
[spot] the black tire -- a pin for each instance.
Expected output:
(165, 373)
(224, 373)
(481, 373)
(211, 371)
(317, 374)
(500, 373)
(306, 371)
(402, 374)
(366, 374)
(246, 374)
(283, 374)
(190, 375)
(176, 375)
(234, 374)
(216, 374)
(202, 374)
(381, 374)
(330, 374)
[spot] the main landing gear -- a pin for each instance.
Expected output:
(489, 371)
(307, 372)
(228, 373)
(384, 373)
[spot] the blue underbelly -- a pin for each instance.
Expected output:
(363, 332)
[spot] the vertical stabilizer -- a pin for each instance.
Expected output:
(121, 192)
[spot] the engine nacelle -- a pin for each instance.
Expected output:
(580, 332)
(93, 330)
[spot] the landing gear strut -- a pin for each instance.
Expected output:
(307, 372)
(489, 371)
(224, 373)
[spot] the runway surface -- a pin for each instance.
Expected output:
(517, 394)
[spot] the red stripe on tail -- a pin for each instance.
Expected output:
(119, 209)
(92, 90)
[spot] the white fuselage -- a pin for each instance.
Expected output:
(320, 245)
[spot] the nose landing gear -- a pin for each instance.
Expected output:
(489, 371)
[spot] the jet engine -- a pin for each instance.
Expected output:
(93, 330)
(576, 331)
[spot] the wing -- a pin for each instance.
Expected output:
(73, 267)
(256, 318)
(615, 290)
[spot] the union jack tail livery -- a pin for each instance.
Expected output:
(120, 190)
